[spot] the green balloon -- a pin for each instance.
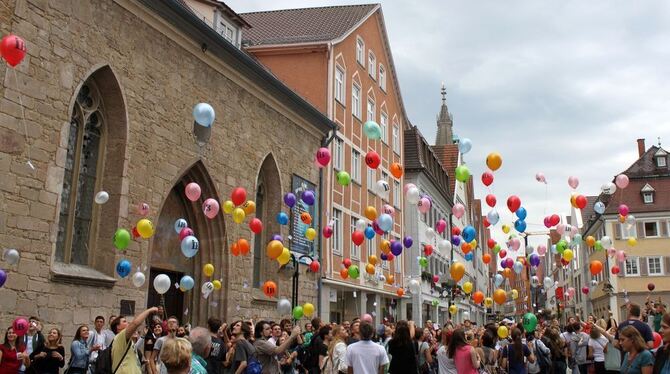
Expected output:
(372, 130)
(297, 312)
(496, 248)
(423, 262)
(343, 178)
(529, 322)
(462, 173)
(121, 239)
(354, 273)
(561, 246)
(436, 303)
(598, 246)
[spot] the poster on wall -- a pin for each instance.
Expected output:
(300, 245)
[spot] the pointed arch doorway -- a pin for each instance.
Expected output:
(165, 252)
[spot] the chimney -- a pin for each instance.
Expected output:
(640, 147)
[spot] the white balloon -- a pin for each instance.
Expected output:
(413, 195)
(444, 246)
(608, 188)
(162, 283)
(207, 289)
(283, 306)
(101, 197)
(498, 279)
(606, 241)
(548, 282)
(466, 316)
(382, 278)
(430, 233)
(361, 225)
(138, 279)
(382, 188)
(180, 224)
(493, 217)
(414, 286)
(630, 220)
(11, 256)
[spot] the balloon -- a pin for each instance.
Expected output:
(101, 197)
(580, 201)
(453, 309)
(455, 231)
(204, 115)
(457, 271)
(123, 268)
(385, 222)
(370, 213)
(145, 228)
(586, 290)
(469, 233)
(427, 249)
(308, 309)
(621, 181)
(554, 219)
(608, 188)
(357, 237)
(440, 226)
(208, 270)
(396, 248)
(486, 258)
(354, 273)
(478, 297)
(487, 178)
(13, 50)
(540, 178)
(518, 267)
(344, 273)
(503, 332)
(400, 292)
(657, 339)
(121, 239)
(534, 259)
(505, 229)
(616, 269)
(396, 170)
(343, 178)
(443, 246)
(361, 225)
(491, 201)
(436, 278)
(462, 173)
(423, 262)
(413, 195)
(515, 294)
(306, 218)
(464, 145)
(596, 267)
(282, 218)
(192, 191)
(651, 287)
(256, 226)
(493, 217)
(323, 156)
(541, 249)
(568, 255)
(499, 296)
(606, 241)
(623, 209)
(494, 161)
(372, 159)
(369, 232)
(283, 306)
(20, 325)
(310, 234)
(211, 208)
(529, 322)
(382, 188)
(11, 256)
(162, 283)
(308, 197)
(217, 284)
(207, 289)
(186, 231)
(424, 205)
(573, 182)
(190, 246)
(520, 225)
(407, 241)
(346, 262)
(599, 207)
(284, 257)
(467, 287)
(513, 203)
(138, 279)
(289, 199)
(186, 283)
(414, 286)
(179, 225)
(327, 232)
(270, 288)
(455, 240)
(249, 207)
(372, 130)
(458, 210)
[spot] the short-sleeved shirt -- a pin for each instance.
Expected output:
(640, 326)
(243, 351)
(265, 353)
(644, 358)
(515, 366)
(598, 346)
(130, 364)
(217, 356)
(366, 357)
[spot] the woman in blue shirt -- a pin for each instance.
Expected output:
(638, 360)
(80, 351)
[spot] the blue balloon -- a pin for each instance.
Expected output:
(123, 268)
(190, 246)
(468, 256)
(520, 225)
(369, 232)
(203, 114)
(385, 222)
(464, 145)
(469, 233)
(521, 213)
(186, 283)
(599, 207)
(282, 218)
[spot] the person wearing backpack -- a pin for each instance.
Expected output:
(579, 349)
(244, 360)
(542, 354)
(117, 357)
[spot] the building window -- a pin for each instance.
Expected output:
(384, 124)
(651, 229)
(355, 166)
(372, 245)
(385, 177)
(228, 31)
(338, 153)
(382, 77)
(628, 231)
(396, 139)
(356, 100)
(632, 266)
(360, 51)
(372, 65)
(661, 162)
(371, 110)
(79, 181)
(355, 250)
(648, 197)
(396, 194)
(338, 235)
(372, 176)
(339, 85)
(655, 265)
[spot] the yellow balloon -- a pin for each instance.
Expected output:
(308, 309)
(310, 234)
(568, 255)
(515, 294)
(208, 270)
(238, 215)
(453, 309)
(467, 287)
(457, 271)
(503, 332)
(217, 284)
(274, 249)
(622, 219)
(228, 206)
(573, 200)
(145, 228)
(370, 213)
(488, 302)
(494, 161)
(473, 243)
(249, 207)
(505, 229)
(284, 257)
(632, 242)
(385, 246)
(373, 259)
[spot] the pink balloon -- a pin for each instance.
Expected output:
(211, 208)
(540, 178)
(621, 181)
(514, 244)
(623, 209)
(441, 226)
(424, 205)
(573, 182)
(323, 156)
(541, 249)
(20, 326)
(571, 291)
(186, 231)
(458, 210)
(388, 210)
(193, 191)
(143, 209)
(611, 251)
(560, 228)
(366, 318)
(620, 255)
(436, 278)
(407, 187)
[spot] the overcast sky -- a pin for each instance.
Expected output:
(561, 87)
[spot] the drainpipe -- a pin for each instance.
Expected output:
(325, 141)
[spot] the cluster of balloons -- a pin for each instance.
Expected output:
(276, 251)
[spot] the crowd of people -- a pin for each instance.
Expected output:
(152, 344)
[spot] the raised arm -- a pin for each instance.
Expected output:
(137, 322)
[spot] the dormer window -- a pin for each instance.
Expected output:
(661, 161)
(227, 30)
(661, 158)
(648, 194)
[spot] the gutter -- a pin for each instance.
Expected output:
(325, 141)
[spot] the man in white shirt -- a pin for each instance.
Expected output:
(99, 337)
(364, 356)
(172, 326)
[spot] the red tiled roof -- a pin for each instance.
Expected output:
(304, 25)
(448, 156)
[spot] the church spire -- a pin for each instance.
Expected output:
(445, 124)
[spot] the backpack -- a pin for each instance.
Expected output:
(104, 363)
(542, 358)
(579, 351)
(253, 366)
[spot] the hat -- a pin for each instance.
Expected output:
(507, 321)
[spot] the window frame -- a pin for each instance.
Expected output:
(360, 51)
(396, 139)
(372, 65)
(356, 92)
(658, 229)
(338, 235)
(650, 195)
(355, 166)
(338, 153)
(355, 249)
(371, 110)
(660, 266)
(385, 177)
(340, 85)
(396, 194)
(371, 182)
(637, 266)
(384, 124)
(382, 77)
(659, 158)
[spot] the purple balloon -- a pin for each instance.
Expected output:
(396, 248)
(535, 259)
(384, 257)
(407, 241)
(455, 240)
(289, 199)
(503, 264)
(277, 237)
(3, 277)
(308, 197)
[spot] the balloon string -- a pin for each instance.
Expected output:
(23, 119)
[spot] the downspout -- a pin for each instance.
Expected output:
(325, 141)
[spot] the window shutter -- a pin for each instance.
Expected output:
(640, 229)
(666, 266)
(622, 269)
(617, 231)
(644, 268)
(664, 227)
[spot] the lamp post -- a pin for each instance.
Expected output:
(295, 290)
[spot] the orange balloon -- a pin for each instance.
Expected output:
(274, 249)
(486, 258)
(596, 267)
(244, 247)
(385, 246)
(466, 248)
(373, 259)
(396, 170)
(622, 219)
(478, 297)
(235, 249)
(457, 271)
(270, 288)
(389, 279)
(306, 218)
(344, 273)
(507, 273)
(370, 269)
(494, 161)
(499, 296)
(590, 241)
(573, 200)
(370, 213)
(400, 292)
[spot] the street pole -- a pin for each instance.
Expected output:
(295, 285)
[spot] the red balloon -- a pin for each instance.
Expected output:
(428, 249)
(513, 203)
(564, 262)
(186, 231)
(13, 49)
(372, 159)
(390, 256)
(502, 253)
(314, 266)
(238, 196)
(487, 178)
(651, 286)
(547, 222)
(509, 262)
(616, 269)
(581, 201)
(455, 231)
(490, 243)
(357, 237)
(486, 222)
(491, 200)
(346, 262)
(327, 232)
(256, 226)
(554, 219)
(136, 234)
(657, 339)
(585, 290)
